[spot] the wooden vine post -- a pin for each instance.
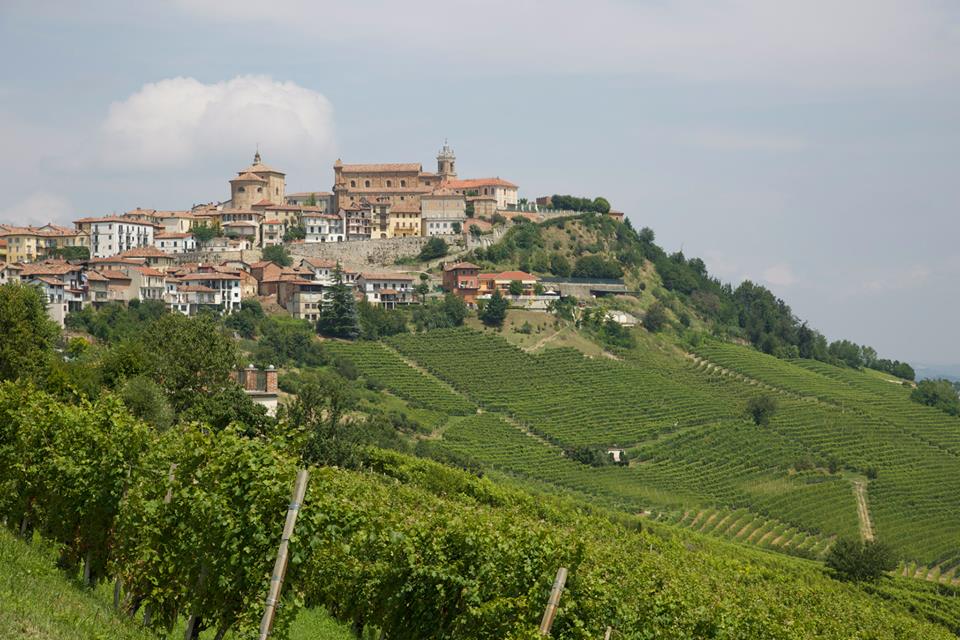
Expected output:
(553, 602)
(280, 566)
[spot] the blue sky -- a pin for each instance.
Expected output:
(811, 146)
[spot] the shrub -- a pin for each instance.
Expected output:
(760, 409)
(860, 561)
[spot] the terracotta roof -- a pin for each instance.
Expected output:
(148, 271)
(384, 276)
(114, 275)
(272, 222)
(460, 265)
(118, 260)
(382, 168)
(260, 168)
(119, 219)
(478, 182)
(143, 252)
(514, 275)
(167, 236)
(307, 194)
(388, 291)
(95, 275)
(239, 223)
(49, 268)
(442, 192)
(209, 276)
(247, 176)
(261, 264)
(49, 280)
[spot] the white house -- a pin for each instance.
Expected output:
(323, 227)
(175, 242)
(386, 289)
(442, 212)
(226, 284)
(113, 234)
(188, 299)
(505, 192)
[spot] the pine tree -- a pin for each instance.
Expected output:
(338, 316)
(494, 312)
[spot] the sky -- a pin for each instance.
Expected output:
(812, 146)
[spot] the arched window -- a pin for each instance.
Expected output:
(389, 183)
(240, 189)
(353, 183)
(259, 189)
(366, 183)
(403, 183)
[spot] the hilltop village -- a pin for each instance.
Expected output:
(211, 256)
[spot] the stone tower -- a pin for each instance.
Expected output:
(446, 163)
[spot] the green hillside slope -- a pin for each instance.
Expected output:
(838, 437)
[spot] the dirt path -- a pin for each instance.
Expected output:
(543, 341)
(866, 526)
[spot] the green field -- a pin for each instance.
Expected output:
(788, 486)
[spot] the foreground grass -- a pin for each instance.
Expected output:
(39, 602)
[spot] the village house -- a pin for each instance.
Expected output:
(322, 200)
(504, 192)
(462, 279)
(271, 232)
(386, 289)
(226, 284)
(260, 385)
(323, 227)
(151, 256)
(61, 283)
(29, 244)
(190, 299)
(443, 212)
(175, 242)
(111, 235)
(490, 282)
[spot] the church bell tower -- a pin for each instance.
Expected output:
(446, 163)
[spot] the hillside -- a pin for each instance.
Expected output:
(696, 461)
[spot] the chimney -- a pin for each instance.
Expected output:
(271, 382)
(250, 378)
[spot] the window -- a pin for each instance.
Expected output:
(259, 189)
(366, 183)
(353, 183)
(403, 183)
(240, 189)
(389, 183)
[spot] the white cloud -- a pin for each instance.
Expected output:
(38, 209)
(899, 279)
(779, 275)
(836, 43)
(182, 121)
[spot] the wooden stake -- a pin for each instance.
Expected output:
(280, 566)
(609, 632)
(170, 478)
(553, 602)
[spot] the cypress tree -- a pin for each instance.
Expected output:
(338, 316)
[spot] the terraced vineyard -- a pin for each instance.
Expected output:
(697, 463)
(377, 362)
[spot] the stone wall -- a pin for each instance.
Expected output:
(365, 252)
(216, 257)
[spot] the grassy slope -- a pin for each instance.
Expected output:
(38, 602)
(701, 464)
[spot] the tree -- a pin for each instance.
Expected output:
(435, 247)
(595, 266)
(27, 335)
(146, 400)
(494, 311)
(318, 411)
(760, 409)
(379, 322)
(475, 232)
(442, 314)
(277, 254)
(601, 205)
(423, 288)
(937, 393)
(294, 232)
(71, 253)
(189, 357)
(204, 233)
(516, 288)
(559, 265)
(860, 561)
(655, 317)
(338, 315)
(457, 228)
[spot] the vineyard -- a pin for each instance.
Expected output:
(682, 422)
(187, 522)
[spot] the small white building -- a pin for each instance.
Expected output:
(189, 299)
(175, 242)
(323, 227)
(504, 191)
(226, 284)
(114, 234)
(386, 289)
